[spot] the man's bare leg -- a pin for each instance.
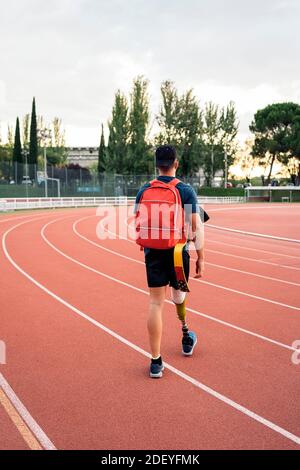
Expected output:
(157, 298)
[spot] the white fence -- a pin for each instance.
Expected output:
(220, 200)
(273, 193)
(11, 204)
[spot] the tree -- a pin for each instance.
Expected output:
(41, 125)
(276, 133)
(58, 133)
(101, 153)
(140, 161)
(190, 128)
(168, 115)
(56, 152)
(213, 150)
(5, 162)
(5, 159)
(117, 149)
(7, 153)
(229, 125)
(25, 130)
(220, 131)
(17, 155)
(294, 157)
(33, 146)
(181, 125)
(244, 161)
(10, 136)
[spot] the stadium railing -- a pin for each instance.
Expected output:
(11, 204)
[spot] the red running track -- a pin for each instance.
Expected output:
(73, 315)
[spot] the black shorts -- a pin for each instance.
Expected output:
(160, 267)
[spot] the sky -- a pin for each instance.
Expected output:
(73, 55)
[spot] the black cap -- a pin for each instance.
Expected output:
(165, 156)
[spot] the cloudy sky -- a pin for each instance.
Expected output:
(74, 54)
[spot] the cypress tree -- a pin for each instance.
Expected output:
(17, 155)
(101, 153)
(140, 160)
(33, 146)
(117, 148)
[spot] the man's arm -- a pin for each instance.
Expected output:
(198, 239)
(195, 216)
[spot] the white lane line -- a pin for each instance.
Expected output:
(26, 416)
(229, 254)
(242, 409)
(243, 208)
(13, 218)
(276, 253)
(196, 312)
(285, 266)
(252, 296)
(221, 266)
(254, 234)
(275, 279)
(44, 212)
(218, 286)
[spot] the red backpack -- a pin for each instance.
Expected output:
(160, 216)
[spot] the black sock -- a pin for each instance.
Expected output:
(157, 361)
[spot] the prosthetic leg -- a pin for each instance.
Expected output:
(178, 297)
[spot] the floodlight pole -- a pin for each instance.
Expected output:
(212, 166)
(226, 169)
(45, 169)
(25, 154)
(45, 134)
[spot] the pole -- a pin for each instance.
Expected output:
(212, 166)
(155, 170)
(26, 165)
(226, 169)
(46, 176)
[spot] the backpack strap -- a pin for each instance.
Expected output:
(173, 182)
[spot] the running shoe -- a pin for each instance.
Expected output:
(189, 342)
(156, 370)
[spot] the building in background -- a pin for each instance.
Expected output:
(83, 156)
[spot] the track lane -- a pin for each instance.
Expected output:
(235, 279)
(287, 270)
(253, 314)
(271, 390)
(169, 399)
(253, 245)
(277, 220)
(251, 263)
(92, 289)
(12, 300)
(268, 251)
